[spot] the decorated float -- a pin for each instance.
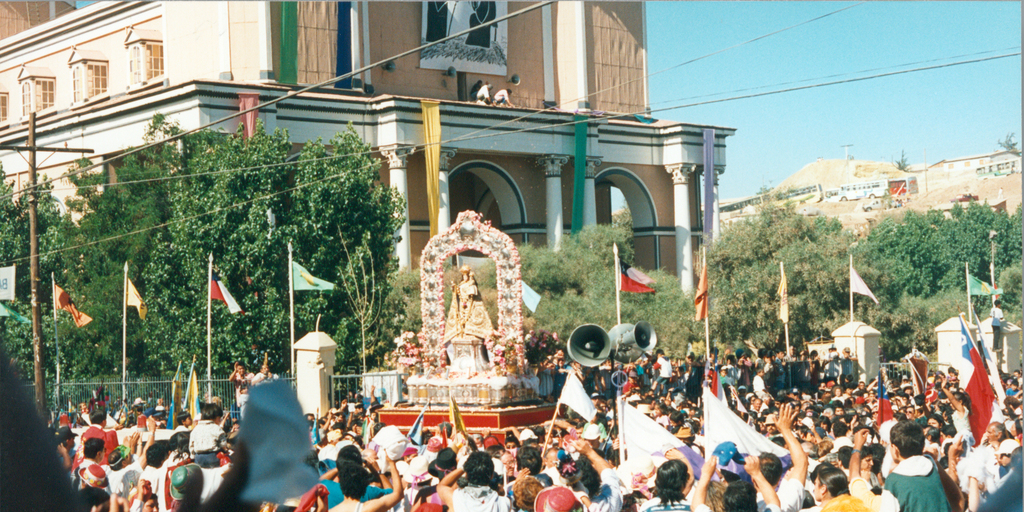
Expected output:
(459, 354)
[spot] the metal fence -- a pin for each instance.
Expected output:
(895, 372)
(387, 386)
(69, 394)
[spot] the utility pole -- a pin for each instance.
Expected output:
(33, 252)
(992, 262)
(846, 159)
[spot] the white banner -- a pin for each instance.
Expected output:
(7, 283)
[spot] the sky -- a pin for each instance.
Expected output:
(946, 113)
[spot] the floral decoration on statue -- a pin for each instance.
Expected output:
(540, 345)
(409, 349)
(470, 233)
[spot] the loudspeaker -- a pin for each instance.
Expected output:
(589, 345)
(645, 337)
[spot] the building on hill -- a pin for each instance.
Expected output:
(975, 163)
(96, 75)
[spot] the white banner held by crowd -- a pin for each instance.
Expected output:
(729, 427)
(577, 398)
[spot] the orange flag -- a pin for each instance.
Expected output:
(701, 300)
(61, 300)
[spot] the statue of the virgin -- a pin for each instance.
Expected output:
(467, 316)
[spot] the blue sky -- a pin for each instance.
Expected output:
(950, 112)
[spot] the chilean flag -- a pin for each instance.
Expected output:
(711, 378)
(220, 292)
(632, 280)
(884, 413)
(975, 383)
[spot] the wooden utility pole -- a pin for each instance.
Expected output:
(33, 252)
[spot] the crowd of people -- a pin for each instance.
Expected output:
(836, 456)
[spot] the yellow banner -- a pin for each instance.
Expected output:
(784, 297)
(432, 153)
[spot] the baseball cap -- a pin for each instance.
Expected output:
(727, 451)
(557, 499)
(1007, 447)
(63, 434)
(592, 432)
(527, 434)
(179, 477)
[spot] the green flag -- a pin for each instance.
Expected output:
(6, 311)
(976, 286)
(302, 280)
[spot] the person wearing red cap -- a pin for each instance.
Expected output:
(557, 499)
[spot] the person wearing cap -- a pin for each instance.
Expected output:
(477, 496)
(98, 430)
(65, 446)
(92, 451)
(739, 496)
(557, 499)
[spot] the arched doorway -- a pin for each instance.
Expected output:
(486, 188)
(618, 188)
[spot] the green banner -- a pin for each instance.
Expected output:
(579, 172)
(976, 286)
(288, 69)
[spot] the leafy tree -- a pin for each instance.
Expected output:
(902, 164)
(1009, 143)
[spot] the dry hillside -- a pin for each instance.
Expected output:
(833, 173)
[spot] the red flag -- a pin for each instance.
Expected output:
(701, 300)
(247, 100)
(974, 381)
(628, 284)
(61, 300)
(220, 292)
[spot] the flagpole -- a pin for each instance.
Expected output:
(707, 302)
(967, 274)
(782, 269)
(124, 333)
(851, 287)
(618, 285)
(209, 329)
(547, 437)
(56, 339)
(291, 308)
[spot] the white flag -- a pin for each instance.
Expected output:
(530, 297)
(7, 283)
(729, 427)
(644, 435)
(858, 286)
(576, 398)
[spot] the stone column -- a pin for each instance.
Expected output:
(681, 205)
(552, 165)
(716, 226)
(397, 157)
(444, 213)
(589, 195)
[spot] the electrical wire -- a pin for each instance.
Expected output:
(675, 107)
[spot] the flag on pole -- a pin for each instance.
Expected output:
(975, 382)
(192, 394)
(220, 292)
(727, 426)
(628, 284)
(783, 299)
(701, 299)
(884, 413)
(575, 396)
(135, 300)
(61, 300)
(993, 371)
(7, 311)
(7, 282)
(416, 431)
(711, 379)
(530, 297)
(302, 280)
(858, 286)
(976, 286)
(455, 417)
(175, 397)
(919, 365)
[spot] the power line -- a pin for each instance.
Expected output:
(297, 187)
(292, 94)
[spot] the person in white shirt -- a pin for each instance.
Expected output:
(483, 95)
(503, 98)
(759, 383)
(997, 331)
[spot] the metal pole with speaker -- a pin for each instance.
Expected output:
(590, 345)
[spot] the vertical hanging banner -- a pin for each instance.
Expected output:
(432, 153)
(7, 283)
(288, 70)
(343, 61)
(709, 183)
(579, 174)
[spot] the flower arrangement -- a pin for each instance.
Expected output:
(540, 345)
(499, 347)
(408, 349)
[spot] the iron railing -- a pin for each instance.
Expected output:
(895, 372)
(387, 386)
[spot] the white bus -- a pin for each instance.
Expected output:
(866, 189)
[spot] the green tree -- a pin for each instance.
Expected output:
(1009, 143)
(902, 164)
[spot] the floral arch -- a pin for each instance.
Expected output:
(468, 232)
